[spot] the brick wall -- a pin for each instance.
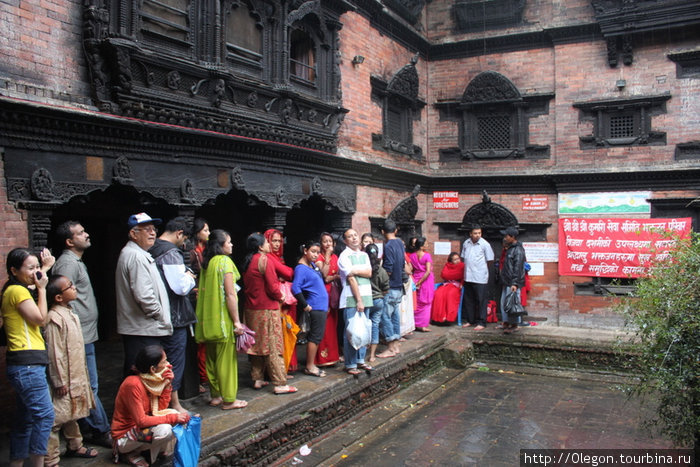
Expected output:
(41, 54)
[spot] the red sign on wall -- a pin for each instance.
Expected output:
(597, 247)
(535, 203)
(445, 200)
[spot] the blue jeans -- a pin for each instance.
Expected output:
(504, 315)
(391, 317)
(34, 418)
(375, 315)
(352, 357)
(97, 421)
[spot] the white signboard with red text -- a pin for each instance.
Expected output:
(446, 200)
(606, 247)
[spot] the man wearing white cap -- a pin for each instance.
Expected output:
(143, 309)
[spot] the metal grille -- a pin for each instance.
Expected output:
(622, 126)
(394, 126)
(494, 132)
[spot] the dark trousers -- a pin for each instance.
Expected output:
(474, 303)
(132, 346)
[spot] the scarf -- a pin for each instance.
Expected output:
(155, 384)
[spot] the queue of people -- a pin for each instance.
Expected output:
(161, 297)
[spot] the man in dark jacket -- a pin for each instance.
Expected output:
(179, 282)
(512, 275)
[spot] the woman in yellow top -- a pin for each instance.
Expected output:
(26, 354)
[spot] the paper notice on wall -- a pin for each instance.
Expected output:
(442, 248)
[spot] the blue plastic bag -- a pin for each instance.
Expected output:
(188, 442)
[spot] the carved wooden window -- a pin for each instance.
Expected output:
(243, 34)
(400, 107)
(624, 122)
(302, 57)
(494, 131)
(166, 21)
(493, 118)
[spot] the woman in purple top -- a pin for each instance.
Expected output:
(422, 264)
(310, 291)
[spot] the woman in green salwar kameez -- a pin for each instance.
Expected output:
(218, 320)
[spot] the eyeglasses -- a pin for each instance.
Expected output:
(149, 228)
(70, 286)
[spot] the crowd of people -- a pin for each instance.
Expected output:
(163, 292)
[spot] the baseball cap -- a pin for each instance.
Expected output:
(512, 231)
(141, 218)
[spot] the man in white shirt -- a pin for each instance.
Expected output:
(355, 272)
(477, 255)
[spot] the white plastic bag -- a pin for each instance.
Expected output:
(359, 331)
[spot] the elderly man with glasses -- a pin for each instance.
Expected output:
(143, 308)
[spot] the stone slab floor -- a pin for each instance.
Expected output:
(484, 418)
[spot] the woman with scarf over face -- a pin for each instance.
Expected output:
(285, 275)
(446, 301)
(142, 420)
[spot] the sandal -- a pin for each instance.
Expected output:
(83, 452)
(364, 366)
(319, 373)
(237, 404)
(138, 461)
(262, 384)
(288, 390)
(353, 371)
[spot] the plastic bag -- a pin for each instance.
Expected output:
(246, 340)
(359, 330)
(512, 306)
(188, 442)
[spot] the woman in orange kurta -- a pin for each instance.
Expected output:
(446, 301)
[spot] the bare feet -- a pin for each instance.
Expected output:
(466, 325)
(423, 329)
(479, 328)
(372, 358)
(386, 354)
(237, 404)
(216, 401)
(179, 408)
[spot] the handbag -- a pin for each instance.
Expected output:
(359, 331)
(512, 306)
(334, 295)
(289, 298)
(188, 442)
(246, 340)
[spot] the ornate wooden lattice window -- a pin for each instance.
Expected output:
(493, 120)
(302, 57)
(243, 36)
(480, 15)
(167, 21)
(400, 106)
(622, 122)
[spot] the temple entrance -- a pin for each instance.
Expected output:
(104, 215)
(306, 222)
(492, 217)
(238, 214)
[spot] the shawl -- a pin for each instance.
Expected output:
(453, 272)
(280, 253)
(155, 383)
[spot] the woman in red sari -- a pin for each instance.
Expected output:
(327, 262)
(284, 274)
(446, 301)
